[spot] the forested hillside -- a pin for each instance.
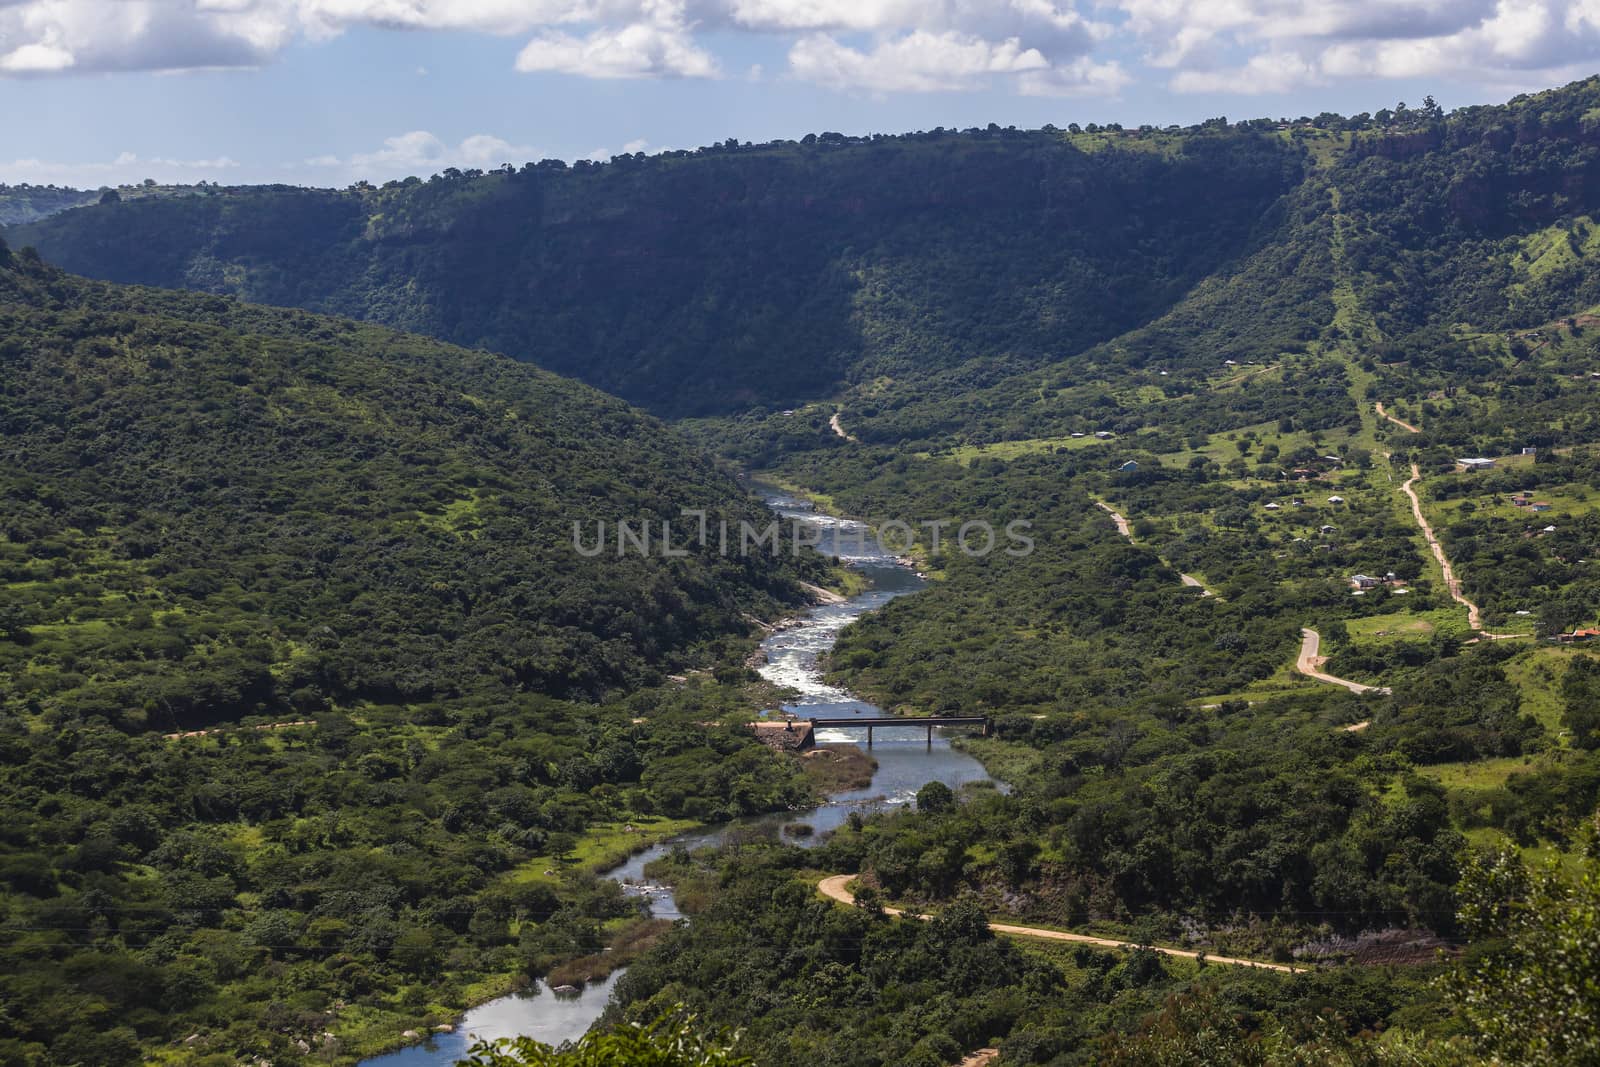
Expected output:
(736, 275)
(1282, 678)
(301, 678)
(217, 510)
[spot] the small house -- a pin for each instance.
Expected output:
(1104, 435)
(1274, 506)
(1530, 451)
(1541, 505)
(1079, 433)
(1131, 465)
(1365, 581)
(1336, 500)
(1476, 463)
(1325, 529)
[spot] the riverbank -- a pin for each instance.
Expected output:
(833, 769)
(848, 781)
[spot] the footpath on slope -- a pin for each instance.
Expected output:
(1126, 530)
(839, 429)
(833, 887)
(1404, 425)
(1310, 663)
(1451, 582)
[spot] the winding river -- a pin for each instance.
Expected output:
(906, 762)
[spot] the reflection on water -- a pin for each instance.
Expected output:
(906, 762)
(545, 1015)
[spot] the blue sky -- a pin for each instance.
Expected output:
(326, 91)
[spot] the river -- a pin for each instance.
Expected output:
(906, 762)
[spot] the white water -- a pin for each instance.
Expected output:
(906, 762)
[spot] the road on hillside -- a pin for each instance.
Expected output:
(1451, 582)
(1116, 517)
(1404, 425)
(1126, 531)
(839, 429)
(833, 887)
(1310, 664)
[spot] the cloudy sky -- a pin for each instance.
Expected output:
(327, 91)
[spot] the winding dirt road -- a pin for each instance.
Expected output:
(1116, 517)
(833, 887)
(1451, 582)
(1125, 530)
(235, 729)
(839, 429)
(1310, 663)
(1404, 425)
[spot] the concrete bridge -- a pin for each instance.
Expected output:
(896, 722)
(797, 734)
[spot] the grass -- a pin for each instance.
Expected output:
(1537, 674)
(823, 503)
(626, 942)
(1554, 248)
(600, 848)
(1005, 761)
(837, 768)
(1478, 774)
(460, 517)
(1406, 625)
(1008, 450)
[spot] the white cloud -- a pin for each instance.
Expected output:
(1034, 46)
(1080, 77)
(917, 62)
(422, 153)
(639, 50)
(1277, 45)
(36, 59)
(127, 168)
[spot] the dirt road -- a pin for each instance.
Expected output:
(1127, 531)
(833, 888)
(1404, 425)
(1451, 582)
(839, 429)
(232, 729)
(1310, 664)
(1122, 523)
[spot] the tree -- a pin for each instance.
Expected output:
(672, 1040)
(1580, 690)
(1536, 1000)
(562, 844)
(935, 797)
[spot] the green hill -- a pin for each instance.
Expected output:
(710, 281)
(215, 510)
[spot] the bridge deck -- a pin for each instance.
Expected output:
(927, 720)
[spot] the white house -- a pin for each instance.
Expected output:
(1476, 463)
(1336, 500)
